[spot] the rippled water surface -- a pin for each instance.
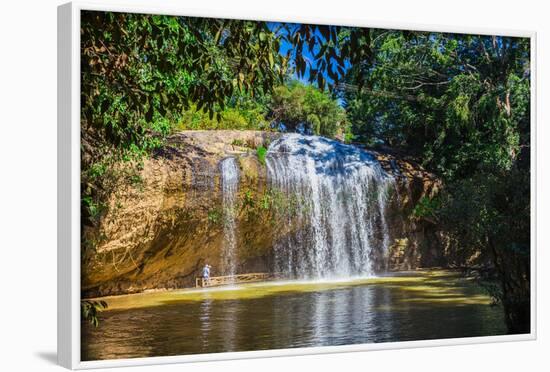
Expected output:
(403, 307)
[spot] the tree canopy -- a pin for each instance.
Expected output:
(297, 106)
(459, 103)
(140, 71)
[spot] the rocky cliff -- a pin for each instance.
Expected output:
(417, 241)
(159, 232)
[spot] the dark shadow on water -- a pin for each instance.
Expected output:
(48, 356)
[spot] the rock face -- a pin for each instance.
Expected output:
(417, 242)
(159, 232)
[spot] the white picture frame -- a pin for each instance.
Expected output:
(68, 136)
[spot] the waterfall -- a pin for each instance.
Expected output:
(229, 186)
(335, 207)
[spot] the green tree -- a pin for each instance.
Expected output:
(141, 73)
(457, 103)
(301, 106)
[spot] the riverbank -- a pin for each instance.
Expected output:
(446, 286)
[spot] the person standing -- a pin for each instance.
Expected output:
(206, 274)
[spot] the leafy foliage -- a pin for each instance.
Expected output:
(90, 309)
(427, 208)
(261, 152)
(241, 112)
(138, 69)
(456, 102)
(321, 51)
(214, 216)
(297, 106)
(141, 74)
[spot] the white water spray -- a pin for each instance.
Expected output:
(336, 207)
(229, 186)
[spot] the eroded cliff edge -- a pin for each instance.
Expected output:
(159, 232)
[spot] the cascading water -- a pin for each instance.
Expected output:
(229, 185)
(336, 197)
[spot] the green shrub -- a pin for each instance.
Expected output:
(261, 152)
(214, 216)
(238, 117)
(426, 207)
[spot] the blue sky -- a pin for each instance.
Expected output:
(308, 56)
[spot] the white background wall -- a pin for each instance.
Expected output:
(28, 183)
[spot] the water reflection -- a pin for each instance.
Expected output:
(205, 310)
(286, 319)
